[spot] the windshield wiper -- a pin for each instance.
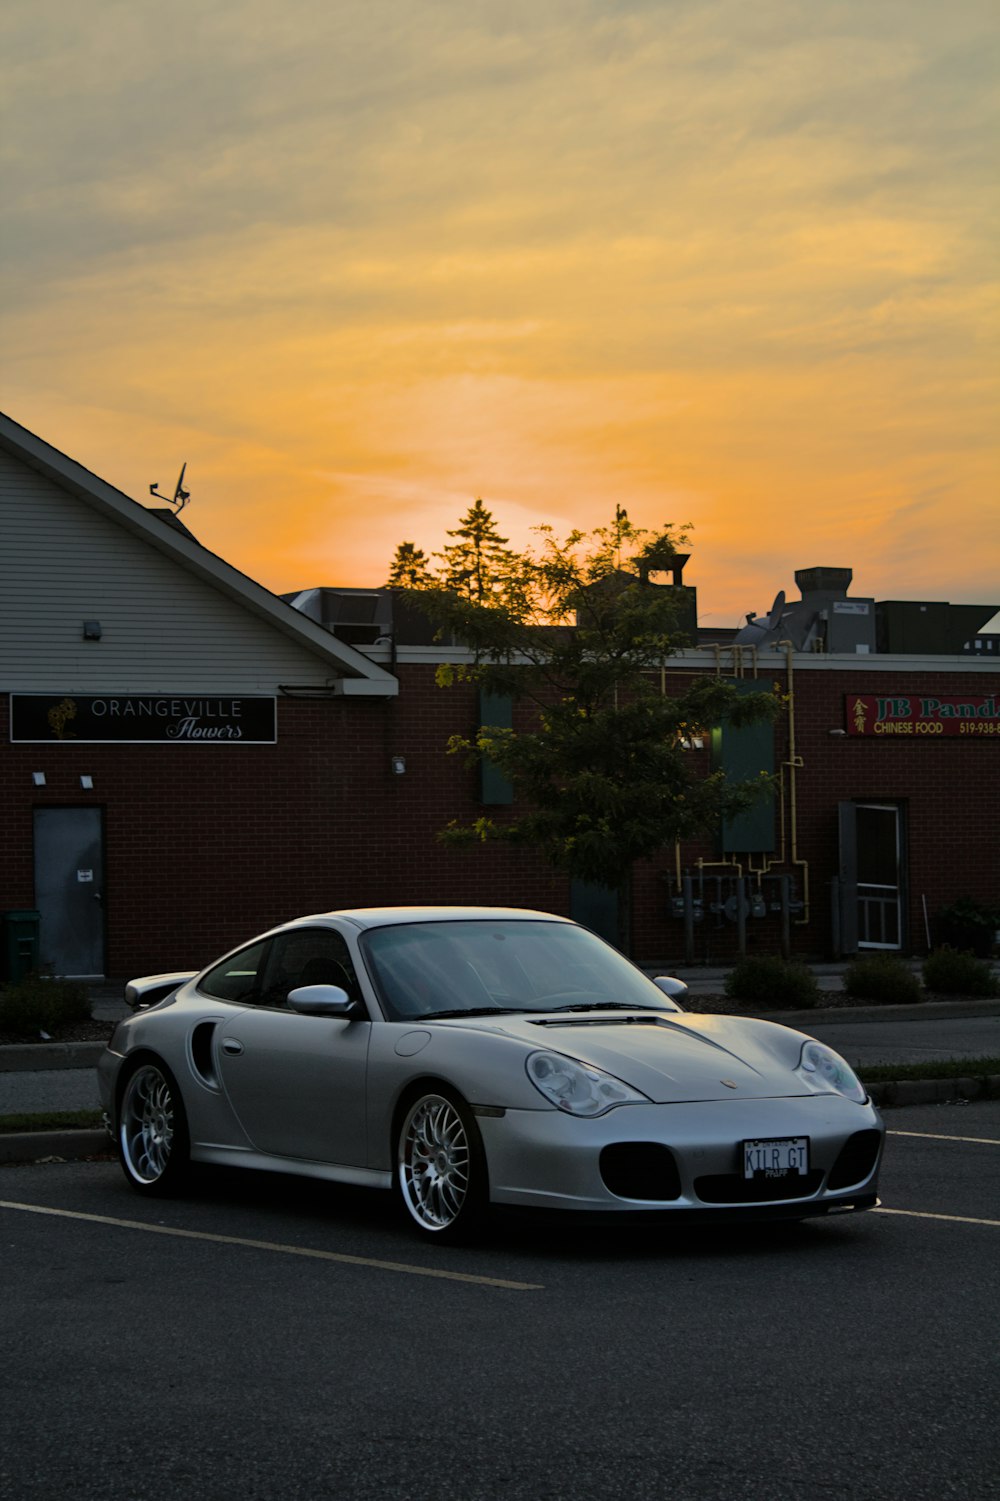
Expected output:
(475, 1011)
(599, 1006)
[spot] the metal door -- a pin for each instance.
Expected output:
(69, 890)
(871, 876)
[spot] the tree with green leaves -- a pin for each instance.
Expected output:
(577, 634)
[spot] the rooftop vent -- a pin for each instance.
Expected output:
(829, 581)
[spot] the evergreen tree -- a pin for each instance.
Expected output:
(409, 568)
(477, 565)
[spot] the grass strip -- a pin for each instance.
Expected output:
(51, 1120)
(948, 1068)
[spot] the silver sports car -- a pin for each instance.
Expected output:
(471, 1056)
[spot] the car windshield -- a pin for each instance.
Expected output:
(482, 967)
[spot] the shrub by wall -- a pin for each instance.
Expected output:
(34, 1005)
(948, 971)
(772, 984)
(884, 979)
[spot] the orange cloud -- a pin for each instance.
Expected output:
(715, 263)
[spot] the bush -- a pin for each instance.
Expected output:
(971, 914)
(950, 972)
(968, 925)
(34, 1005)
(885, 979)
(772, 984)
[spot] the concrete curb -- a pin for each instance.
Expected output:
(39, 1057)
(49, 1146)
(898, 1092)
(920, 1011)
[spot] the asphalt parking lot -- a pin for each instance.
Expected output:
(265, 1337)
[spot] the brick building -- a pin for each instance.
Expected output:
(186, 759)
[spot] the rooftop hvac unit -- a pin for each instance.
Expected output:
(361, 617)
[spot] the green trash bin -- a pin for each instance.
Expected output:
(20, 944)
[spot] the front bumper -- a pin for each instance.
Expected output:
(551, 1160)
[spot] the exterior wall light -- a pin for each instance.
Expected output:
(38, 777)
(87, 783)
(91, 630)
(398, 765)
(837, 734)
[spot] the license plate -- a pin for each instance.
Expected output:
(776, 1157)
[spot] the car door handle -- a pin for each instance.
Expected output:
(231, 1046)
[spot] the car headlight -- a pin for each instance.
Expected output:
(576, 1087)
(823, 1066)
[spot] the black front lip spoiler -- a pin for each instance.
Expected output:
(744, 1214)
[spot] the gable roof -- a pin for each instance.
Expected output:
(352, 672)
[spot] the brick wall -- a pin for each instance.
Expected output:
(206, 845)
(948, 789)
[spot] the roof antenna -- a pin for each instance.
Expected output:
(180, 496)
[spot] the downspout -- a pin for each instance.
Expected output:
(793, 763)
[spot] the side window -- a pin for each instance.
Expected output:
(235, 979)
(308, 956)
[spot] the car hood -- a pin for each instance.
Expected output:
(671, 1057)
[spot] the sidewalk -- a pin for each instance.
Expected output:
(865, 1035)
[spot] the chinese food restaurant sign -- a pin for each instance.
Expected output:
(143, 718)
(923, 717)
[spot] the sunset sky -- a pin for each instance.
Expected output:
(359, 261)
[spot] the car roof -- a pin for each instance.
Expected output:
(381, 917)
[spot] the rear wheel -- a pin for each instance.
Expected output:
(153, 1146)
(441, 1167)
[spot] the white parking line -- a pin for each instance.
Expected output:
(983, 1141)
(921, 1214)
(267, 1245)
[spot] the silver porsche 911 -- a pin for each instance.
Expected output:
(471, 1056)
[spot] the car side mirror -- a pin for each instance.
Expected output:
(321, 1000)
(674, 989)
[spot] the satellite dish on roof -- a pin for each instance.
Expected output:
(180, 496)
(760, 629)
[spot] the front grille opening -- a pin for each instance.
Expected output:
(640, 1170)
(856, 1160)
(730, 1188)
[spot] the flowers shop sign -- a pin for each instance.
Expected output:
(143, 719)
(923, 717)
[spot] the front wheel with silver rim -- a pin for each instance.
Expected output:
(152, 1130)
(441, 1168)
